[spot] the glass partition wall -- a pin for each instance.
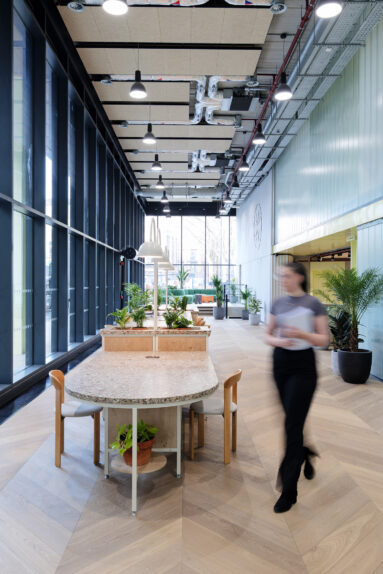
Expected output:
(203, 245)
(67, 206)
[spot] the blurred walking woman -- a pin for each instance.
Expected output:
(297, 323)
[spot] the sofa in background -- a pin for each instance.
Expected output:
(191, 294)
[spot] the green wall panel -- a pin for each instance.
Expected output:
(335, 163)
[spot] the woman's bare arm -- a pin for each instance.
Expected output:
(271, 339)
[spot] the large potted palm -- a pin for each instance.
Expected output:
(353, 293)
(218, 310)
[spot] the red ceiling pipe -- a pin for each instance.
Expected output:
(305, 18)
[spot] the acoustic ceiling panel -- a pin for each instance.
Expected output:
(182, 62)
(192, 131)
(157, 91)
(215, 26)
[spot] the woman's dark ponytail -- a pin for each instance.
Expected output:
(299, 269)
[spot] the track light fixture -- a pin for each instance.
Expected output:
(328, 8)
(76, 6)
(149, 138)
(115, 7)
(138, 91)
(160, 184)
(244, 166)
(164, 198)
(259, 138)
(283, 91)
(156, 166)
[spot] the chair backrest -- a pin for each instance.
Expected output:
(231, 382)
(58, 381)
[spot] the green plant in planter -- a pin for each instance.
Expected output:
(245, 294)
(170, 317)
(340, 326)
(182, 276)
(218, 289)
(182, 322)
(178, 303)
(137, 297)
(254, 305)
(352, 293)
(121, 316)
(124, 438)
(139, 316)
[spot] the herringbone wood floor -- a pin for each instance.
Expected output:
(218, 519)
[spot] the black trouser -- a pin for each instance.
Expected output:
(296, 378)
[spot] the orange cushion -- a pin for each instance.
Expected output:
(207, 299)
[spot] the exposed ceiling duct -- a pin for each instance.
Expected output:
(327, 49)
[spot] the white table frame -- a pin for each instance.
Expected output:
(135, 408)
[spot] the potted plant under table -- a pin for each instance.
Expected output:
(145, 438)
(353, 293)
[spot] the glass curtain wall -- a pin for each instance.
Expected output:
(67, 215)
(203, 245)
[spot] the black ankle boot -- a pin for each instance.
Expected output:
(284, 503)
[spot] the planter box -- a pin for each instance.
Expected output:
(254, 318)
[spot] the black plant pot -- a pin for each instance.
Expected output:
(245, 314)
(219, 313)
(355, 367)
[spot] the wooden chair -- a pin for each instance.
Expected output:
(66, 409)
(226, 407)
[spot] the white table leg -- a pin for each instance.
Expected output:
(106, 441)
(179, 424)
(134, 462)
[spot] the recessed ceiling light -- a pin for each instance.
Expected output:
(138, 91)
(115, 7)
(328, 8)
(76, 6)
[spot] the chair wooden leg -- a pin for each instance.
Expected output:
(234, 433)
(59, 428)
(201, 430)
(96, 438)
(62, 435)
(226, 424)
(191, 434)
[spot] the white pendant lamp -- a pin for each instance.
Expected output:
(283, 91)
(259, 138)
(156, 165)
(115, 7)
(222, 210)
(166, 208)
(150, 249)
(328, 8)
(138, 91)
(160, 184)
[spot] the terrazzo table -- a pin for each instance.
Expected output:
(140, 381)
